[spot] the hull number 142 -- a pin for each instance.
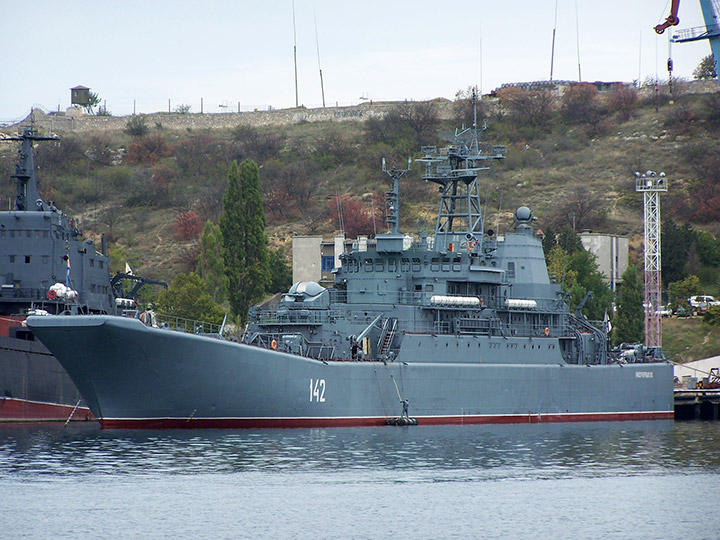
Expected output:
(317, 390)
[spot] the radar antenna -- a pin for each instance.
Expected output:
(392, 198)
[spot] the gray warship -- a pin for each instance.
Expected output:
(460, 327)
(47, 267)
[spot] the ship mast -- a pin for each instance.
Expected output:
(459, 220)
(392, 198)
(27, 196)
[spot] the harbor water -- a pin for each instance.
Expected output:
(617, 480)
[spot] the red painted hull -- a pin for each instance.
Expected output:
(252, 423)
(21, 410)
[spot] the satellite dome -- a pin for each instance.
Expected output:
(523, 215)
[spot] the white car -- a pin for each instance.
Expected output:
(703, 301)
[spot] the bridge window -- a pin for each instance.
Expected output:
(511, 269)
(435, 264)
(27, 259)
(392, 265)
(416, 264)
(405, 265)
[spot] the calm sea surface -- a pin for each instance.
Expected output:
(629, 480)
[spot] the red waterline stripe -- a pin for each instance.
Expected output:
(245, 423)
(22, 410)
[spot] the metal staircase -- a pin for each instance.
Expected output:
(386, 336)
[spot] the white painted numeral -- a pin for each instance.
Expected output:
(317, 390)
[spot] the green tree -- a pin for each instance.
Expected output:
(93, 101)
(712, 316)
(589, 278)
(676, 242)
(211, 265)
(680, 291)
(549, 241)
(706, 68)
(280, 272)
(558, 267)
(242, 224)
(186, 298)
(570, 241)
(629, 322)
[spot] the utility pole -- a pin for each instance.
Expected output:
(651, 184)
(297, 101)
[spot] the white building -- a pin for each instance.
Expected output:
(611, 252)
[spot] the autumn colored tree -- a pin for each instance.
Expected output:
(148, 150)
(624, 101)
(528, 108)
(187, 225)
(579, 102)
(354, 217)
(242, 224)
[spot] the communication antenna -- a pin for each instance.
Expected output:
(552, 51)
(297, 101)
(317, 45)
(577, 37)
(651, 184)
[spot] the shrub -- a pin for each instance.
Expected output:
(533, 109)
(136, 126)
(148, 150)
(624, 101)
(353, 216)
(188, 225)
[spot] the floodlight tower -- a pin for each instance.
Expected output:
(651, 184)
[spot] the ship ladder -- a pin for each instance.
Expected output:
(72, 413)
(388, 333)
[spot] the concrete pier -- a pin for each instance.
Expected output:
(697, 404)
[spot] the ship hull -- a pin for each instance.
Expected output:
(34, 386)
(132, 376)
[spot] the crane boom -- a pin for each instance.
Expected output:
(671, 20)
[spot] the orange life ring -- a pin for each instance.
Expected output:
(52, 294)
(547, 331)
(273, 344)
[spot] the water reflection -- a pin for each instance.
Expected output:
(474, 452)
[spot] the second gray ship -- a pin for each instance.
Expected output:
(461, 327)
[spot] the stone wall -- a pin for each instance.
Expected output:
(196, 121)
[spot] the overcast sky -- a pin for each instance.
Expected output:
(142, 53)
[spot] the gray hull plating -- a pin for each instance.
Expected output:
(135, 376)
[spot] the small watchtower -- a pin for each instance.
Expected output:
(80, 95)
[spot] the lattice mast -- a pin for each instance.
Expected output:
(455, 170)
(651, 184)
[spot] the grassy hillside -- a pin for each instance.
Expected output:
(689, 339)
(571, 159)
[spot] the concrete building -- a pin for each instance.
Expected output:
(314, 257)
(611, 252)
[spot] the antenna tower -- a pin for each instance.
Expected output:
(651, 184)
